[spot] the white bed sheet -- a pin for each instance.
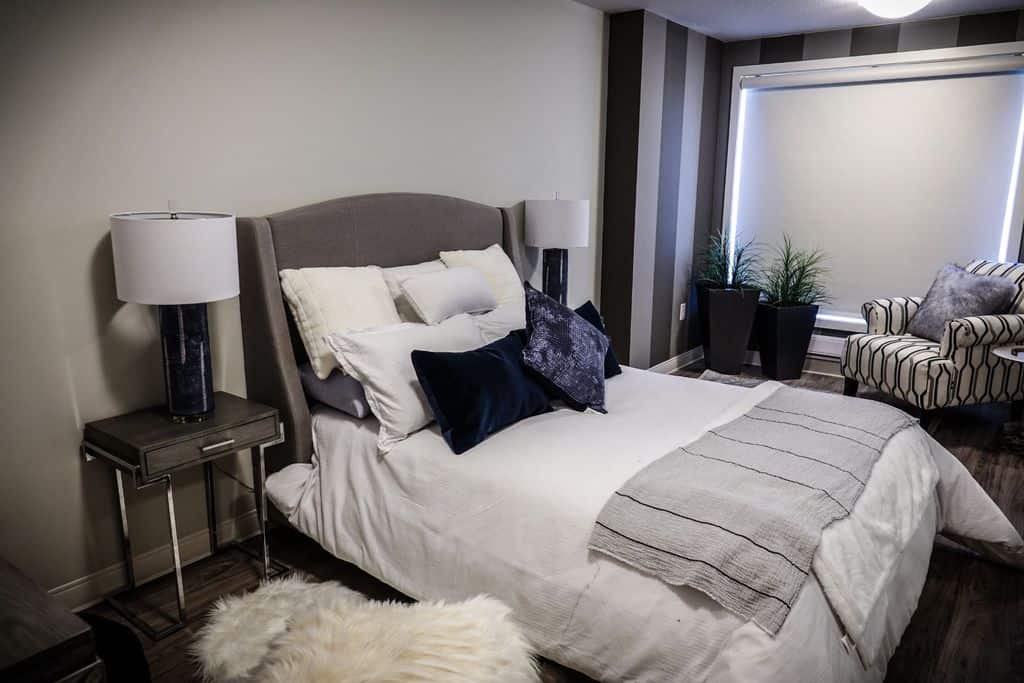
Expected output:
(511, 518)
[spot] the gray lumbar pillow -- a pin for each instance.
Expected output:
(955, 293)
(339, 391)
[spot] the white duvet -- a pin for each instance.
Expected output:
(511, 518)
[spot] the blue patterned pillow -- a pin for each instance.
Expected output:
(566, 351)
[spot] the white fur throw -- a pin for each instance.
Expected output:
(292, 630)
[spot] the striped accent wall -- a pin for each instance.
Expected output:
(660, 137)
(975, 29)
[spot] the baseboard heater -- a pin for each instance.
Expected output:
(827, 346)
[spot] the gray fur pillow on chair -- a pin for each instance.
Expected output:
(955, 293)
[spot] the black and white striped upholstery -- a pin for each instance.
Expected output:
(959, 370)
(890, 316)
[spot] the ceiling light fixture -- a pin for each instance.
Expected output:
(893, 9)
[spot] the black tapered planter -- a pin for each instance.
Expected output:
(783, 336)
(726, 320)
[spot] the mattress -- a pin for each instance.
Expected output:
(511, 518)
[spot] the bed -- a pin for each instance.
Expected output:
(512, 517)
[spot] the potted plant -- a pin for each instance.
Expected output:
(793, 286)
(726, 301)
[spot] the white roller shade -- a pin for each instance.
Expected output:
(891, 177)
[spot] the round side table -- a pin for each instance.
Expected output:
(1007, 352)
(1014, 429)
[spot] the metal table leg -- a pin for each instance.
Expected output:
(176, 551)
(126, 540)
(211, 506)
(259, 472)
(270, 567)
(120, 607)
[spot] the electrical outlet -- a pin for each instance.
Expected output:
(682, 311)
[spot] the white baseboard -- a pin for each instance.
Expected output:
(88, 590)
(814, 364)
(676, 363)
(822, 357)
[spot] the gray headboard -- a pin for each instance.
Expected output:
(378, 229)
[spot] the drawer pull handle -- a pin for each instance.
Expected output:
(215, 446)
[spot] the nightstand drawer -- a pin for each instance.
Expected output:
(225, 441)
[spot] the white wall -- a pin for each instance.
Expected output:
(248, 107)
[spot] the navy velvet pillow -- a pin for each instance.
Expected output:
(590, 313)
(476, 393)
(566, 351)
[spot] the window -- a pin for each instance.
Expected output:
(892, 170)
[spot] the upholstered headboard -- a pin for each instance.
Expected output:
(378, 229)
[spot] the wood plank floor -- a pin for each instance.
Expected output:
(969, 625)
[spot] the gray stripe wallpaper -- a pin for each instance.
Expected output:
(667, 130)
(622, 123)
(649, 152)
(660, 135)
(669, 190)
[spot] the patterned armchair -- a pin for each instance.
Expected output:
(959, 370)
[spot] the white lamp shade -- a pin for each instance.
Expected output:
(162, 260)
(557, 223)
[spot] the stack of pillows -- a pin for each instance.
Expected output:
(459, 340)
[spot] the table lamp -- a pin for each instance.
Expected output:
(556, 225)
(179, 262)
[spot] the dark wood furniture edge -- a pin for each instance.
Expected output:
(77, 651)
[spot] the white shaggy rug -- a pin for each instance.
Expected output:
(293, 630)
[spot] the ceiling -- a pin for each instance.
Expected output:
(742, 19)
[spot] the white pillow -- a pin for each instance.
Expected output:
(397, 275)
(381, 360)
(498, 323)
(325, 300)
(438, 296)
(495, 265)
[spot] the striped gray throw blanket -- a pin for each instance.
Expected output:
(738, 513)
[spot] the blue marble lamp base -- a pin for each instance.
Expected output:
(188, 376)
(556, 274)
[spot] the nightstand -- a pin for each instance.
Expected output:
(150, 447)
